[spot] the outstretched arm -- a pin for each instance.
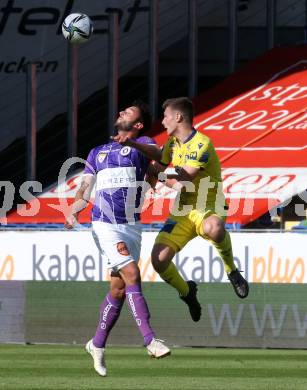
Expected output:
(177, 180)
(152, 174)
(151, 151)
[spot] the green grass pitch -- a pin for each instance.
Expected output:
(58, 367)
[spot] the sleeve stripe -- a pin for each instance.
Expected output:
(204, 158)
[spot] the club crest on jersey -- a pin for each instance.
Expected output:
(101, 156)
(125, 151)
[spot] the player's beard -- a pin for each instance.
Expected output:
(123, 126)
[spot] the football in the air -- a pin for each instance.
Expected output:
(77, 28)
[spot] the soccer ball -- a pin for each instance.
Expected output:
(77, 28)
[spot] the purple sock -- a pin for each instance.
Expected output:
(139, 309)
(109, 313)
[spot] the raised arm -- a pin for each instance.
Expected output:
(152, 174)
(177, 180)
(151, 151)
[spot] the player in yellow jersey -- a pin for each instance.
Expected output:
(200, 208)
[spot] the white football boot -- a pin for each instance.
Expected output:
(157, 349)
(98, 357)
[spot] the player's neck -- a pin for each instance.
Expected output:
(129, 133)
(183, 133)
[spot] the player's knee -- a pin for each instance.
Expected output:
(214, 229)
(156, 258)
(118, 293)
(156, 263)
(160, 257)
(131, 273)
(133, 277)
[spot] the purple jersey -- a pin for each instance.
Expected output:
(120, 172)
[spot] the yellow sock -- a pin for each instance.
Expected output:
(224, 249)
(172, 276)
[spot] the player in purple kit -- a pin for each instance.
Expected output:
(118, 173)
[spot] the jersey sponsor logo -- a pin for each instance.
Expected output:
(125, 151)
(122, 248)
(116, 178)
(101, 156)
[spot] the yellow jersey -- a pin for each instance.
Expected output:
(197, 151)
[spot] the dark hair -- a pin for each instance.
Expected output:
(145, 114)
(184, 105)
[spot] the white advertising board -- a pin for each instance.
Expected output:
(72, 255)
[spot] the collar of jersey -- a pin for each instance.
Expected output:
(190, 136)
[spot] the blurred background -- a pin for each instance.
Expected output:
(243, 62)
